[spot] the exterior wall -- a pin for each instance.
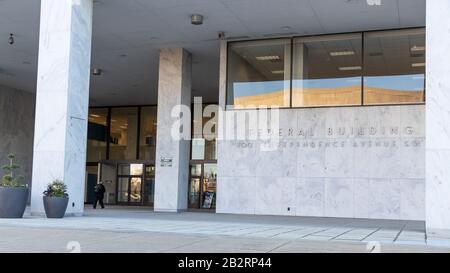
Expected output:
(17, 128)
(438, 117)
(361, 162)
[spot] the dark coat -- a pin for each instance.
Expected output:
(99, 190)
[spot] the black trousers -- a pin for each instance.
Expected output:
(98, 199)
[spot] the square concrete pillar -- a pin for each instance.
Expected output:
(62, 100)
(172, 147)
(438, 119)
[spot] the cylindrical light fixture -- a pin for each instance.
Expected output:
(196, 19)
(97, 72)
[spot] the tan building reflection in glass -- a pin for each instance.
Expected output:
(259, 73)
(394, 67)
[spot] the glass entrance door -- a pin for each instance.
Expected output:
(209, 186)
(149, 185)
(202, 186)
(135, 190)
(123, 184)
(129, 184)
(129, 190)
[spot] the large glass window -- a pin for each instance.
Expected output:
(97, 134)
(366, 68)
(123, 134)
(394, 67)
(147, 139)
(204, 142)
(327, 71)
(259, 73)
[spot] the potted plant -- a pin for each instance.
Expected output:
(13, 193)
(56, 199)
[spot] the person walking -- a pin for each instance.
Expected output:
(99, 192)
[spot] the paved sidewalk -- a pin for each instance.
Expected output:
(140, 230)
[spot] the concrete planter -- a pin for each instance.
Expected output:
(55, 207)
(13, 202)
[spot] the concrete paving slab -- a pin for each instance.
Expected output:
(121, 230)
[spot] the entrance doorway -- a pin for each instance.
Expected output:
(129, 191)
(128, 183)
(135, 184)
(202, 185)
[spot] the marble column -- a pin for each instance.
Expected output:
(438, 119)
(62, 100)
(172, 151)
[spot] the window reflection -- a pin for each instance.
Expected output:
(198, 149)
(327, 71)
(123, 134)
(209, 186)
(259, 74)
(97, 134)
(147, 139)
(204, 140)
(394, 67)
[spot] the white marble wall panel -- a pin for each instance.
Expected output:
(311, 162)
(339, 197)
(361, 194)
(229, 187)
(438, 117)
(412, 205)
(275, 196)
(310, 194)
(384, 199)
(62, 100)
(357, 162)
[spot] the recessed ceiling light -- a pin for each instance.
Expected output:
(277, 72)
(417, 48)
(418, 65)
(94, 115)
(268, 58)
(342, 53)
(350, 68)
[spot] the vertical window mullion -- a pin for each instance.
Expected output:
(291, 73)
(108, 133)
(363, 65)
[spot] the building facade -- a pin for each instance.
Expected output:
(339, 116)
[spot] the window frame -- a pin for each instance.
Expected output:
(229, 107)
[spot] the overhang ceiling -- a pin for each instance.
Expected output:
(128, 34)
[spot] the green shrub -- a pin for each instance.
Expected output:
(11, 179)
(56, 189)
